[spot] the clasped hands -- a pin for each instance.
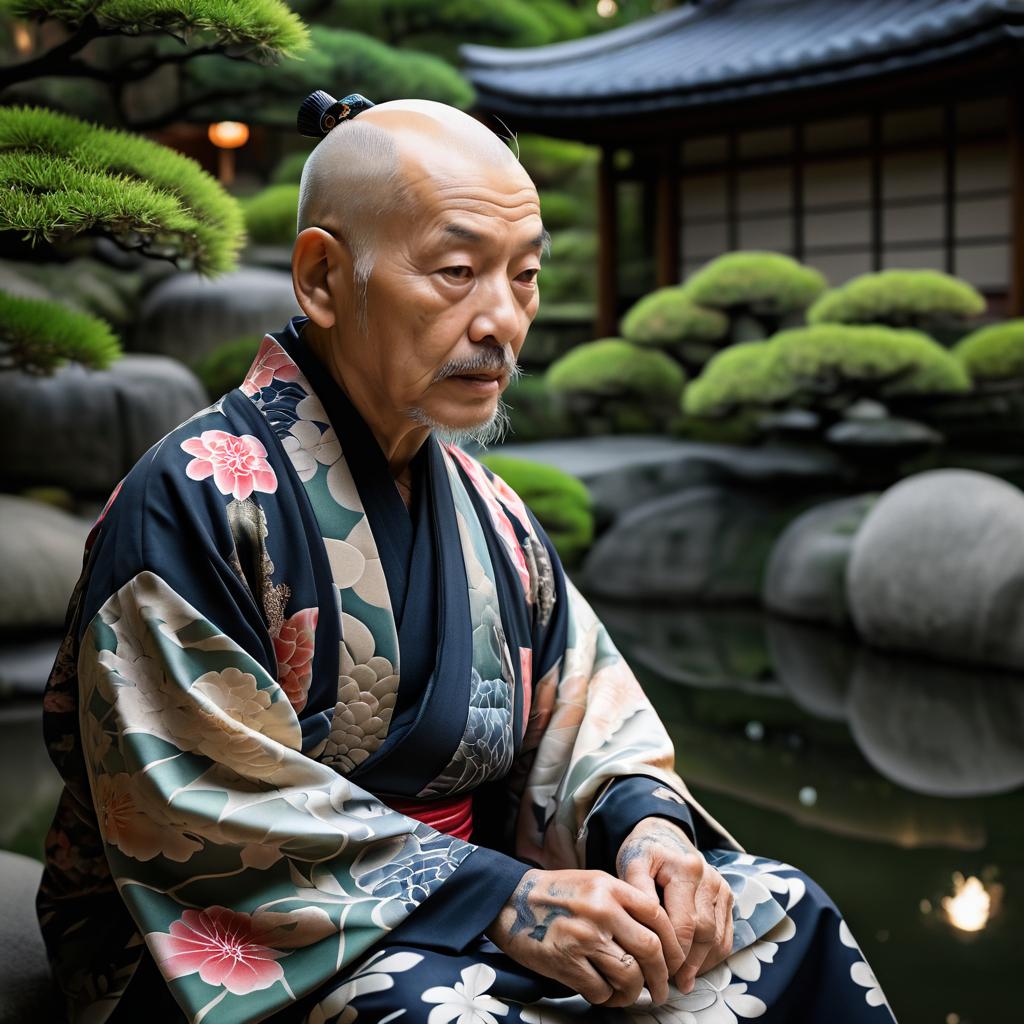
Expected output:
(608, 937)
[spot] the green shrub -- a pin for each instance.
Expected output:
(769, 283)
(748, 374)
(556, 163)
(39, 336)
(61, 177)
(898, 298)
(270, 215)
(534, 413)
(995, 352)
(289, 169)
(561, 210)
(226, 366)
(568, 273)
(614, 367)
(668, 317)
(560, 502)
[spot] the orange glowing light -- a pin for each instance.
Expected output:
(970, 905)
(228, 134)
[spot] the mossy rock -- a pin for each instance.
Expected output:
(994, 353)
(668, 318)
(898, 298)
(769, 283)
(271, 215)
(225, 368)
(615, 367)
(560, 501)
(744, 375)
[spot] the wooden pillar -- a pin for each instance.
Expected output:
(877, 197)
(607, 245)
(667, 217)
(1016, 306)
(949, 187)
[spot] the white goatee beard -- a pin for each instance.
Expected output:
(491, 431)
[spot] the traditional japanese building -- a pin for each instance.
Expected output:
(855, 136)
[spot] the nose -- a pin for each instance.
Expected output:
(498, 314)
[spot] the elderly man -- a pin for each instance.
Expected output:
(341, 741)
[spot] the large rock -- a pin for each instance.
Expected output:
(806, 573)
(41, 551)
(938, 567)
(813, 665)
(188, 316)
(705, 543)
(84, 429)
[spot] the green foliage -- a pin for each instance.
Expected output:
(560, 502)
(995, 352)
(61, 177)
(226, 366)
(534, 413)
(349, 61)
(562, 210)
(263, 29)
(568, 273)
(668, 317)
(289, 169)
(810, 365)
(768, 283)
(564, 22)
(898, 298)
(556, 163)
(39, 336)
(615, 367)
(270, 215)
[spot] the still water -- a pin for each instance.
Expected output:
(892, 782)
(895, 783)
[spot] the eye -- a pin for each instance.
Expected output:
(456, 273)
(533, 271)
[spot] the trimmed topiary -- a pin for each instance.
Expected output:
(898, 298)
(225, 367)
(668, 317)
(614, 367)
(994, 353)
(768, 283)
(748, 374)
(534, 413)
(560, 501)
(62, 177)
(288, 170)
(555, 163)
(38, 336)
(270, 215)
(562, 210)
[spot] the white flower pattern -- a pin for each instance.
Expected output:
(467, 1002)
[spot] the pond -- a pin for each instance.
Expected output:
(887, 780)
(895, 783)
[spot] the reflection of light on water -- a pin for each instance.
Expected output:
(970, 905)
(808, 796)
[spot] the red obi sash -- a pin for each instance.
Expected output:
(453, 816)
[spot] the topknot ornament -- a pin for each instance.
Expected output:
(320, 112)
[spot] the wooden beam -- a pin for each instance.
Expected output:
(667, 228)
(1016, 307)
(607, 245)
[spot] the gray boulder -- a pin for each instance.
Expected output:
(806, 573)
(813, 665)
(84, 429)
(41, 551)
(938, 567)
(187, 316)
(705, 543)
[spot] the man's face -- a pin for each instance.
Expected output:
(453, 291)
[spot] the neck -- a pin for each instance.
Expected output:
(399, 437)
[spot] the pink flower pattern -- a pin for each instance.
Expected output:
(293, 645)
(238, 464)
(222, 945)
(271, 363)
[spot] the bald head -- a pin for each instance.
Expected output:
(361, 175)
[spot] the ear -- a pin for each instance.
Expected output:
(322, 276)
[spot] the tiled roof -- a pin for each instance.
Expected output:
(721, 50)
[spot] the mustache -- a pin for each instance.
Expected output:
(495, 359)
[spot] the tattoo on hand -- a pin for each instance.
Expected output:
(526, 916)
(655, 835)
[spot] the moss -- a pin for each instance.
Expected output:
(747, 374)
(995, 352)
(561, 210)
(615, 367)
(39, 336)
(898, 298)
(270, 215)
(767, 282)
(61, 177)
(668, 317)
(560, 502)
(225, 367)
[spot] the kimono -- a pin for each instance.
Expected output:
(312, 739)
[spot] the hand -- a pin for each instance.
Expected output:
(697, 898)
(603, 938)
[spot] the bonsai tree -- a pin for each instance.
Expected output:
(611, 385)
(760, 291)
(994, 354)
(668, 319)
(922, 299)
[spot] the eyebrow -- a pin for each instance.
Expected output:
(542, 240)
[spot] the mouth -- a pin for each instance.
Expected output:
(484, 381)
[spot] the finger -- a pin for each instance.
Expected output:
(581, 977)
(645, 946)
(640, 874)
(621, 970)
(648, 912)
(681, 912)
(723, 944)
(688, 972)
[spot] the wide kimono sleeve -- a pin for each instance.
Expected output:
(252, 871)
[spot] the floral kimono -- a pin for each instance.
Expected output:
(312, 739)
